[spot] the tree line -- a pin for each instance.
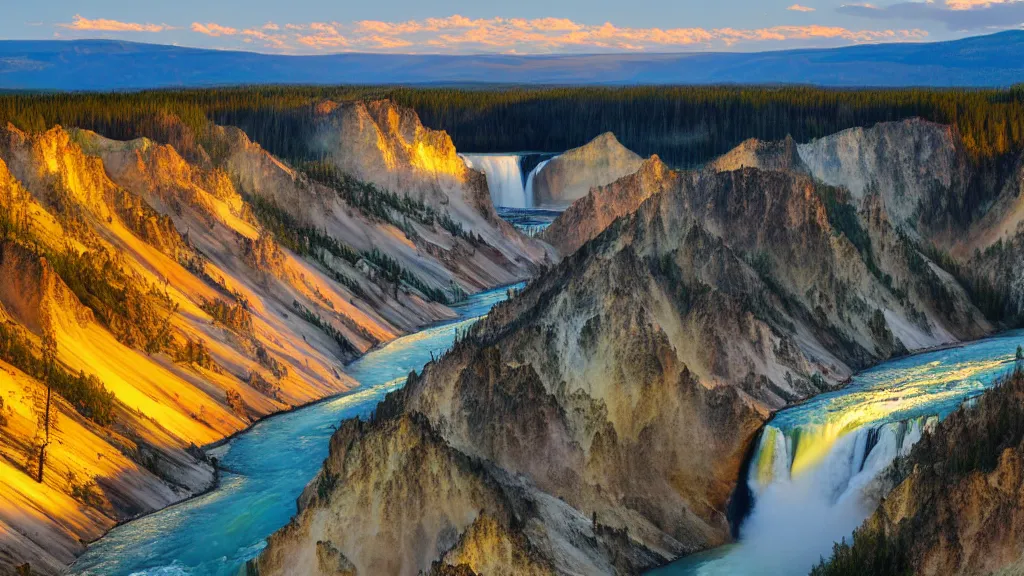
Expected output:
(685, 125)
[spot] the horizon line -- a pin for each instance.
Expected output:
(514, 55)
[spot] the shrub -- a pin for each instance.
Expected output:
(85, 393)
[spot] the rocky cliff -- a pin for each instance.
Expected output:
(571, 175)
(917, 167)
(755, 153)
(589, 216)
(662, 345)
(171, 293)
(386, 145)
(967, 213)
(448, 506)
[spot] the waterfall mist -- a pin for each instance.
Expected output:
(819, 468)
(796, 519)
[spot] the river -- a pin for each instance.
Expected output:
(214, 534)
(814, 473)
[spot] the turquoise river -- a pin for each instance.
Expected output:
(811, 476)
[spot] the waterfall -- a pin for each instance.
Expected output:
(818, 468)
(509, 187)
(504, 178)
(529, 180)
(799, 512)
(863, 452)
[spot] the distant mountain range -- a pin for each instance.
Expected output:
(993, 60)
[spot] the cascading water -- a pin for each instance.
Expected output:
(529, 221)
(529, 179)
(509, 187)
(798, 515)
(817, 470)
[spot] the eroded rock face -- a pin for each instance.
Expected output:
(385, 144)
(188, 288)
(661, 346)
(917, 167)
(590, 215)
(970, 212)
(570, 176)
(420, 500)
(763, 155)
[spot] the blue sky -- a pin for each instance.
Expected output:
(523, 26)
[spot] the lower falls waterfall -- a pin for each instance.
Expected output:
(810, 485)
(819, 468)
(811, 490)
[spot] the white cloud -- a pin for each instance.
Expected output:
(105, 25)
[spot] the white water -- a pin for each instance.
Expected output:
(529, 180)
(214, 534)
(797, 518)
(817, 471)
(505, 178)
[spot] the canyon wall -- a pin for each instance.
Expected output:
(660, 345)
(571, 175)
(161, 296)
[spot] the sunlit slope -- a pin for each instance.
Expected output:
(170, 299)
(386, 145)
(88, 477)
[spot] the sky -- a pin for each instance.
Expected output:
(520, 26)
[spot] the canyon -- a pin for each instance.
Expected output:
(688, 307)
(609, 417)
(159, 295)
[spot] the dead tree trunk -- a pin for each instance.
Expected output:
(46, 439)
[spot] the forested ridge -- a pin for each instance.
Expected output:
(686, 126)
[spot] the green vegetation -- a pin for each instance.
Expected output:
(237, 405)
(237, 318)
(302, 240)
(84, 392)
(395, 274)
(842, 215)
(455, 229)
(872, 553)
(196, 352)
(234, 316)
(381, 204)
(264, 358)
(261, 385)
(991, 297)
(368, 198)
(138, 316)
(326, 327)
(305, 240)
(685, 125)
